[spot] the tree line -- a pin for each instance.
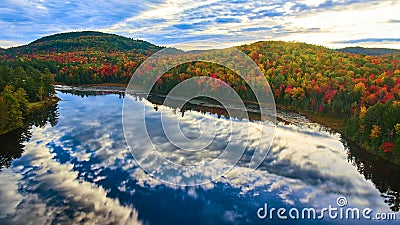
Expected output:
(18, 88)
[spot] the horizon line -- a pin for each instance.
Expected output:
(229, 44)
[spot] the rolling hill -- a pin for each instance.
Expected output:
(84, 57)
(84, 41)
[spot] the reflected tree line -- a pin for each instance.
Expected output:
(13, 142)
(212, 106)
(382, 173)
(205, 105)
(85, 94)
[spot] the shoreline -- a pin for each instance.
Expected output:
(33, 106)
(336, 124)
(331, 122)
(94, 85)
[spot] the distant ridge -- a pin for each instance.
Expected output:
(369, 51)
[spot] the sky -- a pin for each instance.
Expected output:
(331, 23)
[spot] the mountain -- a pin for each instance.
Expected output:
(84, 41)
(369, 51)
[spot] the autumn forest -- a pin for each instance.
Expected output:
(361, 90)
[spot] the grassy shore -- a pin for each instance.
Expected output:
(329, 121)
(33, 106)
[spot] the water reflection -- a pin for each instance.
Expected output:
(13, 142)
(12, 146)
(80, 171)
(384, 175)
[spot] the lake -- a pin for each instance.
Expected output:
(71, 164)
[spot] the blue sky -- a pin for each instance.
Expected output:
(331, 23)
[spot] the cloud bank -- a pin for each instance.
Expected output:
(166, 22)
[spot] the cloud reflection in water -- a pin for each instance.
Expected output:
(82, 171)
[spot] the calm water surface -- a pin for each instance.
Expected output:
(72, 165)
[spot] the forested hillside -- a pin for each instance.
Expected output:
(84, 57)
(363, 88)
(84, 41)
(369, 51)
(19, 87)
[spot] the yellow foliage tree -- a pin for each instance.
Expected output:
(375, 131)
(363, 110)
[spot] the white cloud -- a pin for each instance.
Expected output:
(168, 22)
(349, 24)
(46, 175)
(8, 44)
(321, 23)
